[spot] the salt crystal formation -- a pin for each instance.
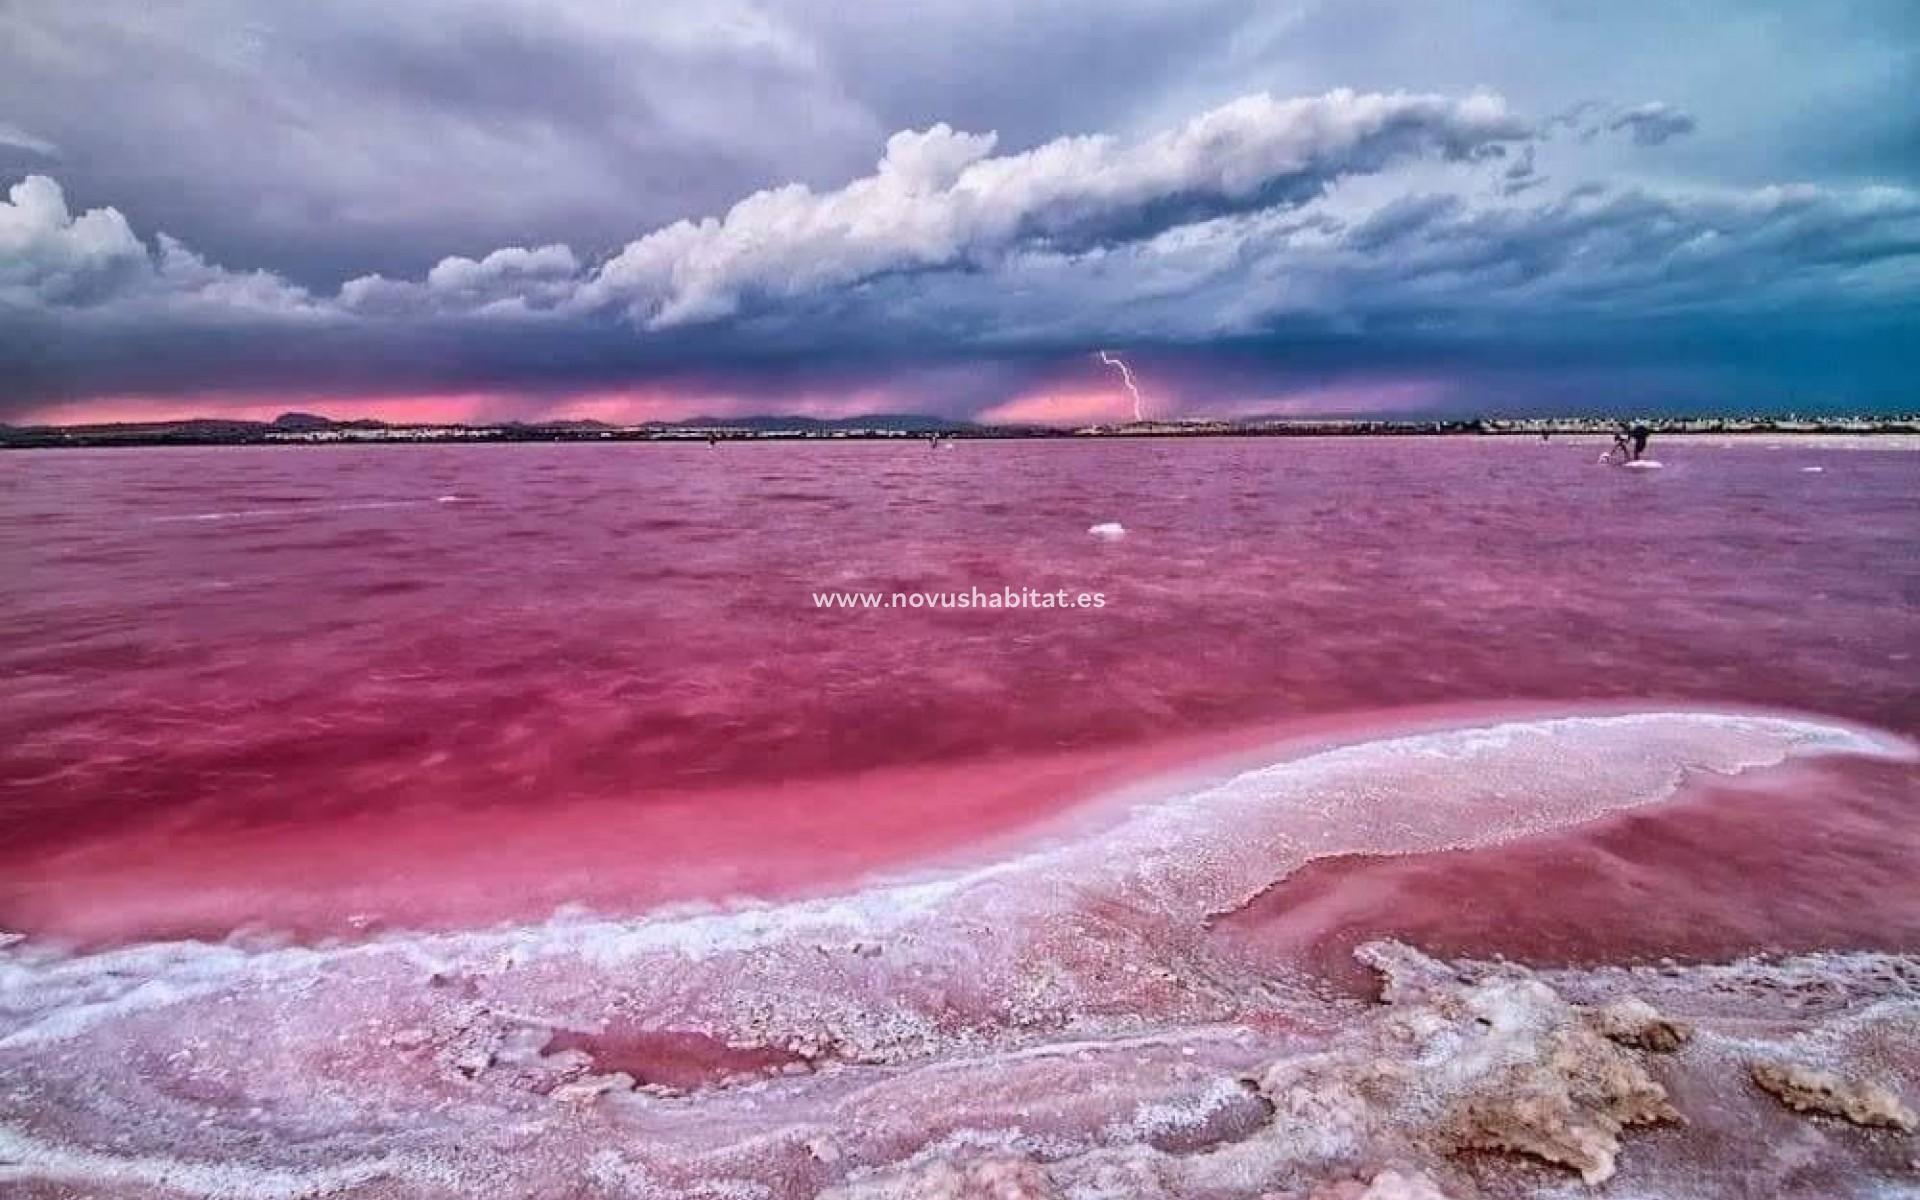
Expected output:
(1387, 1185)
(1812, 1090)
(1061, 1025)
(1396, 1101)
(982, 1179)
(1461, 1057)
(1528, 1071)
(1633, 1022)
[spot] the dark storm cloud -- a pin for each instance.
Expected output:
(939, 199)
(942, 199)
(1425, 284)
(549, 199)
(1400, 222)
(16, 142)
(332, 140)
(1653, 124)
(325, 140)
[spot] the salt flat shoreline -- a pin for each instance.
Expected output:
(888, 1041)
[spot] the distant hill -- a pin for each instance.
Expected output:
(299, 422)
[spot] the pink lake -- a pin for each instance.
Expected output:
(385, 705)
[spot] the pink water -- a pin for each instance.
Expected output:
(341, 694)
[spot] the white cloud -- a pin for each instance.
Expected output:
(940, 198)
(47, 252)
(509, 281)
(458, 274)
(1465, 268)
(52, 258)
(182, 278)
(1257, 215)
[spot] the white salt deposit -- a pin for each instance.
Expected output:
(1062, 1007)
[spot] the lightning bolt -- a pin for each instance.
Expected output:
(1126, 377)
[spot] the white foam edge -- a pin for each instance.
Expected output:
(71, 992)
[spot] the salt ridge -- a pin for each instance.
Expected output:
(1067, 990)
(1170, 834)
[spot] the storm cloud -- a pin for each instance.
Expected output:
(1653, 124)
(591, 208)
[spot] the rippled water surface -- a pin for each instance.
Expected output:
(383, 712)
(224, 642)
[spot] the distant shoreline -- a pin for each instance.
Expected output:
(323, 432)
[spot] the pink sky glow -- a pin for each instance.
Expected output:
(1090, 404)
(1067, 402)
(626, 406)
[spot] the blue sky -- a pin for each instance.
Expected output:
(507, 208)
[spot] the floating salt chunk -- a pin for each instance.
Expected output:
(1812, 470)
(1109, 530)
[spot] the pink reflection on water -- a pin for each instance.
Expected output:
(1080, 885)
(448, 683)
